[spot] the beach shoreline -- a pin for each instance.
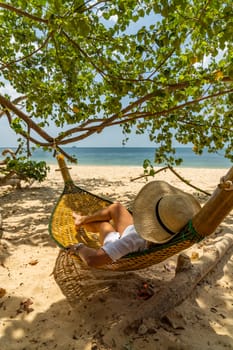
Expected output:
(35, 314)
(133, 156)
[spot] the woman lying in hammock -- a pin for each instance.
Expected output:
(117, 235)
(160, 211)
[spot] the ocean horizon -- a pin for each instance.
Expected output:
(131, 156)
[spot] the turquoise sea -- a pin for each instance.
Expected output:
(133, 156)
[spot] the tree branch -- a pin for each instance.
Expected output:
(96, 4)
(23, 13)
(174, 292)
(7, 104)
(176, 174)
(29, 55)
(172, 109)
(186, 181)
(16, 101)
(112, 120)
(43, 144)
(108, 122)
(76, 45)
(136, 115)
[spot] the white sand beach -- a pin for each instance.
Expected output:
(35, 315)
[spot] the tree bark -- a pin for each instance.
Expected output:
(216, 208)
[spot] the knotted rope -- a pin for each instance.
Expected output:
(227, 185)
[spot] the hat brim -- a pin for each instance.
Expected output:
(145, 220)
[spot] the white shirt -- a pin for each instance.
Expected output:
(117, 246)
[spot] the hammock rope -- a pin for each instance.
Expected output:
(227, 185)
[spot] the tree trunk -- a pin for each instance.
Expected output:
(216, 208)
(181, 286)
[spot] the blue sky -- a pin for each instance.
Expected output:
(110, 137)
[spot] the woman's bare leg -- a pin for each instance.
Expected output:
(115, 212)
(121, 217)
(104, 229)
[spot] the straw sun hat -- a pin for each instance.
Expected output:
(160, 211)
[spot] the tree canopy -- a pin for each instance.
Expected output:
(163, 67)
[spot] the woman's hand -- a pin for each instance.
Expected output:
(75, 248)
(79, 220)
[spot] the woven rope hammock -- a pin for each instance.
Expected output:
(63, 231)
(80, 283)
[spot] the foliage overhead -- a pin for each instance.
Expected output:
(164, 67)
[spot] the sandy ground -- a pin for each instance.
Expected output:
(34, 314)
